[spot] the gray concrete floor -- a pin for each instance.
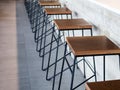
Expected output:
(20, 64)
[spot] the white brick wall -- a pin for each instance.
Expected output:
(106, 21)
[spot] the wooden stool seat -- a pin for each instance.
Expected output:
(72, 24)
(49, 3)
(96, 45)
(57, 11)
(104, 85)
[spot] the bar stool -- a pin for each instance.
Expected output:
(32, 7)
(62, 13)
(49, 4)
(45, 3)
(65, 25)
(89, 46)
(49, 12)
(104, 85)
(36, 11)
(37, 21)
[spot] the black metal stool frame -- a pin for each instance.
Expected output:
(42, 48)
(44, 42)
(41, 16)
(49, 52)
(58, 60)
(73, 70)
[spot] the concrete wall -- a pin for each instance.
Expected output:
(105, 21)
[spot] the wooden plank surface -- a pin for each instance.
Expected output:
(8, 46)
(104, 85)
(95, 45)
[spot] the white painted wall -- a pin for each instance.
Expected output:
(105, 21)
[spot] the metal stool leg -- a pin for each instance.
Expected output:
(49, 55)
(73, 72)
(56, 62)
(62, 67)
(94, 68)
(72, 79)
(119, 61)
(84, 67)
(44, 44)
(104, 68)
